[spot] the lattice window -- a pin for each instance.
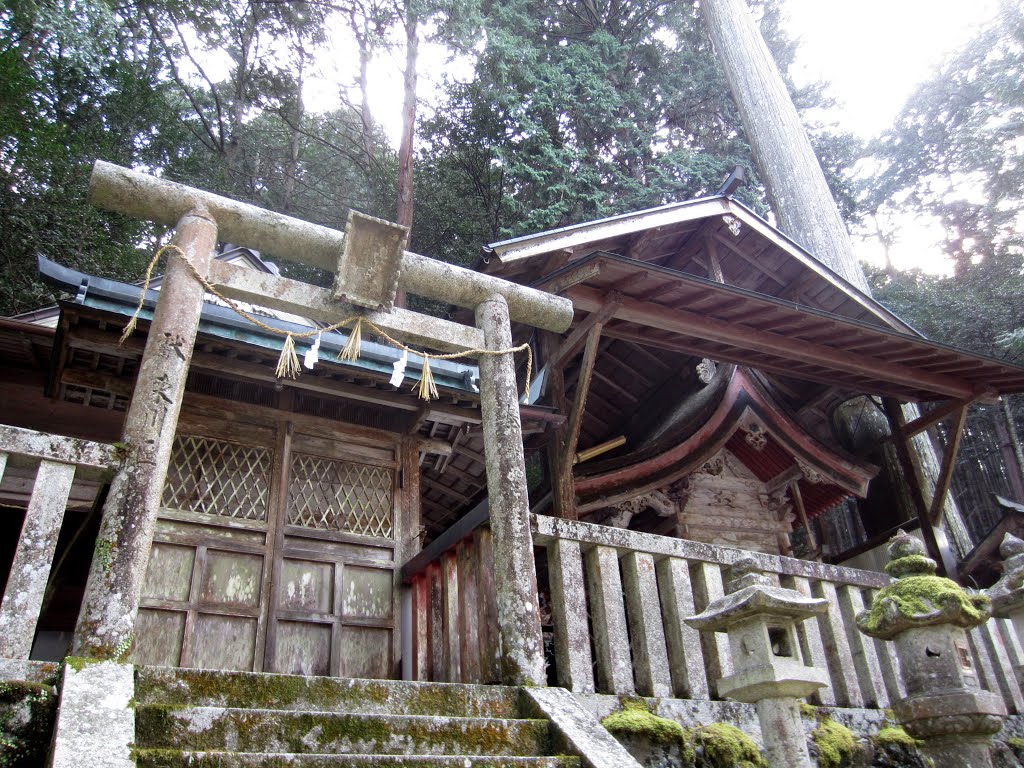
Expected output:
(218, 478)
(340, 496)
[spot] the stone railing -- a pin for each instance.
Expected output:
(58, 461)
(617, 603)
(638, 587)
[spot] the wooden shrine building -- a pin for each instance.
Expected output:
(718, 392)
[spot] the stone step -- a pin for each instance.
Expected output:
(169, 758)
(210, 688)
(275, 730)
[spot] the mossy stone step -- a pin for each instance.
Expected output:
(269, 730)
(167, 758)
(209, 688)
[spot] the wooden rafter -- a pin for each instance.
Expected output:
(946, 470)
(901, 441)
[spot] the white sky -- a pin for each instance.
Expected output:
(874, 53)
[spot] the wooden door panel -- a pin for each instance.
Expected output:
(306, 586)
(366, 652)
(368, 592)
(303, 648)
(231, 580)
(158, 637)
(222, 642)
(169, 572)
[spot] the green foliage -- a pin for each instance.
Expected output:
(894, 735)
(576, 113)
(921, 596)
(953, 157)
(835, 743)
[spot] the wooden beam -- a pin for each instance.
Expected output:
(582, 390)
(801, 511)
(946, 470)
(930, 419)
(743, 337)
(735, 249)
(894, 413)
(581, 333)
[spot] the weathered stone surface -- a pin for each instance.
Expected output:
(783, 731)
(169, 687)
(96, 722)
(686, 656)
(1007, 594)
(515, 575)
(160, 758)
(768, 664)
(271, 730)
(107, 620)
(30, 569)
(580, 730)
(68, 450)
(26, 722)
(166, 202)
(608, 614)
(811, 644)
(31, 671)
(650, 659)
(569, 611)
(926, 617)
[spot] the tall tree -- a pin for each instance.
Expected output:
(578, 111)
(76, 82)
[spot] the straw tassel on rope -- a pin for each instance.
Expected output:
(288, 363)
(428, 389)
(355, 341)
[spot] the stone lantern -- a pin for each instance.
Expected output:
(1007, 594)
(926, 617)
(769, 669)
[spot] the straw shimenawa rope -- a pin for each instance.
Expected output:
(288, 363)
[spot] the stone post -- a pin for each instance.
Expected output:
(768, 667)
(1007, 596)
(515, 576)
(107, 619)
(926, 617)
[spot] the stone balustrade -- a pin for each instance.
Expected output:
(56, 461)
(617, 601)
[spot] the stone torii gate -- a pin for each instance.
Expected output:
(370, 265)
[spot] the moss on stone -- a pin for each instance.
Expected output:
(835, 743)
(894, 735)
(720, 745)
(27, 712)
(808, 710)
(1017, 745)
(910, 565)
(636, 719)
(921, 601)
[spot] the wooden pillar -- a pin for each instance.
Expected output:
(913, 484)
(515, 575)
(107, 620)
